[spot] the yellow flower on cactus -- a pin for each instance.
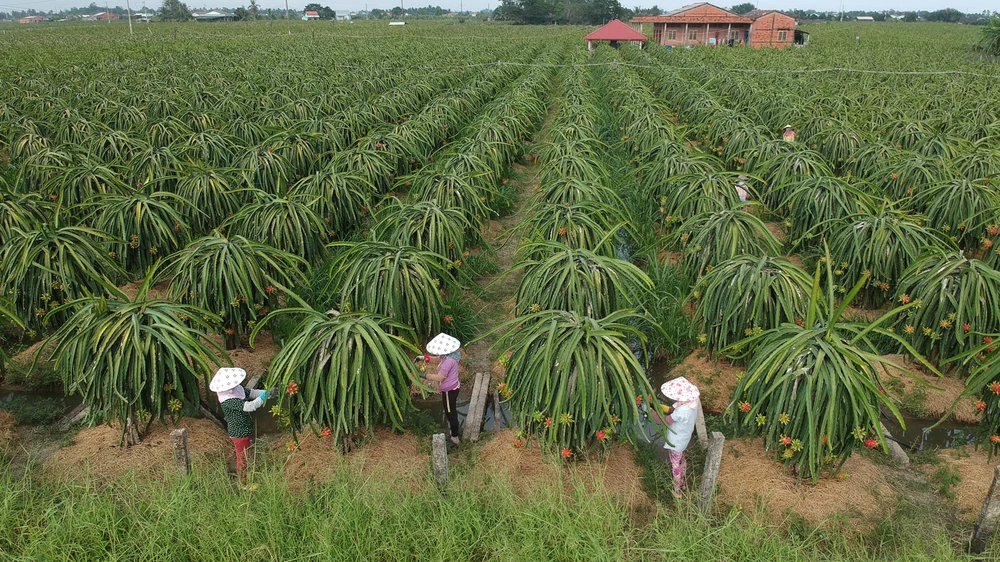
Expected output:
(174, 405)
(702, 339)
(859, 433)
(276, 410)
(761, 419)
(536, 307)
(910, 329)
(796, 445)
(788, 454)
(928, 332)
(748, 332)
(566, 419)
(784, 419)
(945, 324)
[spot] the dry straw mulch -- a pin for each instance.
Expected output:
(254, 360)
(937, 402)
(395, 457)
(7, 432)
(976, 471)
(752, 478)
(527, 468)
(715, 379)
(94, 452)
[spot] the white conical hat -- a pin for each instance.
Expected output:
(443, 344)
(680, 389)
(787, 127)
(227, 378)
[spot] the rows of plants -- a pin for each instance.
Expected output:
(917, 247)
(575, 352)
(241, 198)
(406, 271)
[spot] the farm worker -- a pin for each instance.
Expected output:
(741, 189)
(789, 134)
(680, 424)
(237, 403)
(444, 352)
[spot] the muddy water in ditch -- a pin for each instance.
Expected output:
(16, 400)
(435, 407)
(919, 434)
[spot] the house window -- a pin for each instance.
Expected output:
(672, 35)
(734, 36)
(783, 35)
(692, 35)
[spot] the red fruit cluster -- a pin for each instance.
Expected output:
(566, 453)
(327, 432)
(871, 443)
(292, 388)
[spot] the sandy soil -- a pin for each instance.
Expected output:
(751, 478)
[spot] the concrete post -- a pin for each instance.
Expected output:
(710, 475)
(179, 442)
(699, 426)
(895, 451)
(988, 515)
(439, 453)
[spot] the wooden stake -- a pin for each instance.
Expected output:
(179, 441)
(988, 515)
(439, 452)
(477, 407)
(711, 473)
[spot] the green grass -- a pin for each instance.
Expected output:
(366, 517)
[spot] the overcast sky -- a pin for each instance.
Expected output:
(968, 6)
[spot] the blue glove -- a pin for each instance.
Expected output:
(263, 397)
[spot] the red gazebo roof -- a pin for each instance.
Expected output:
(616, 30)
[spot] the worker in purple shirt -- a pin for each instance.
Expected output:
(444, 352)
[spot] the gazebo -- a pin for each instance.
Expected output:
(614, 31)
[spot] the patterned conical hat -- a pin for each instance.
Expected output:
(227, 378)
(443, 344)
(680, 389)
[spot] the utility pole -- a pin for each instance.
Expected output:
(288, 20)
(128, 7)
(107, 12)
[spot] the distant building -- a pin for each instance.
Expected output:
(214, 15)
(310, 15)
(32, 19)
(865, 18)
(343, 16)
(106, 16)
(707, 24)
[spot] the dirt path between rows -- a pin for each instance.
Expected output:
(496, 304)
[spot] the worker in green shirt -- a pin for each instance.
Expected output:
(237, 403)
